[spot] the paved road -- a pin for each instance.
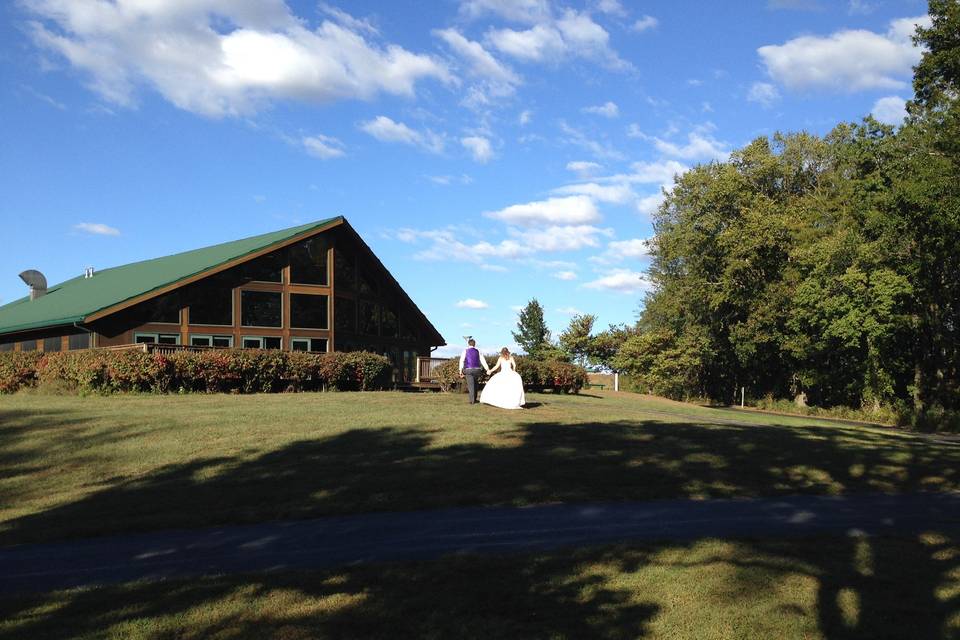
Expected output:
(337, 541)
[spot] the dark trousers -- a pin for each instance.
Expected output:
(471, 376)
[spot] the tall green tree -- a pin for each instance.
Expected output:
(532, 333)
(575, 339)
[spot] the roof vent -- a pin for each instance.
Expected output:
(88, 272)
(36, 281)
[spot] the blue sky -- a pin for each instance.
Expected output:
(488, 151)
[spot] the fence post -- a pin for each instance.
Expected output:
(616, 381)
(743, 397)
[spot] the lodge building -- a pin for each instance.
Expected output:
(315, 287)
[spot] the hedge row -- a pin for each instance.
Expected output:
(212, 371)
(538, 375)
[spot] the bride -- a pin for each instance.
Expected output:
(505, 389)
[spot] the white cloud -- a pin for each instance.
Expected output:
(323, 147)
(890, 110)
(494, 79)
(565, 275)
(622, 281)
(448, 180)
(620, 250)
(386, 130)
(557, 238)
(526, 11)
(97, 229)
(525, 117)
(576, 137)
(846, 61)
(607, 110)
(611, 193)
(644, 23)
(573, 35)
(471, 303)
(221, 58)
(662, 172)
(701, 145)
(583, 167)
(577, 209)
(611, 7)
(763, 93)
(479, 148)
(569, 311)
(648, 206)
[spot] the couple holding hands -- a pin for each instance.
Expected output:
(503, 390)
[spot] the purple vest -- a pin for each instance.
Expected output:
(472, 359)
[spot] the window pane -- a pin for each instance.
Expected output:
(308, 312)
(168, 338)
(345, 315)
(389, 326)
(319, 345)
(261, 308)
(199, 341)
(163, 309)
(28, 345)
(298, 344)
(367, 285)
(251, 343)
(346, 275)
(223, 341)
(369, 319)
(6, 346)
(145, 339)
(271, 343)
(211, 305)
(268, 268)
(308, 261)
(79, 341)
(51, 344)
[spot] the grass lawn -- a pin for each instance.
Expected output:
(825, 588)
(83, 466)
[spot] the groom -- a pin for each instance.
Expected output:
(470, 367)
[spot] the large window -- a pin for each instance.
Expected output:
(221, 342)
(309, 344)
(51, 344)
(345, 315)
(261, 342)
(156, 338)
(308, 261)
(79, 341)
(367, 285)
(369, 318)
(389, 326)
(165, 309)
(346, 275)
(308, 312)
(268, 268)
(212, 305)
(261, 308)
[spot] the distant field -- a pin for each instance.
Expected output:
(84, 466)
(825, 588)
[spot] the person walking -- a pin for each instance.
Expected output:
(472, 364)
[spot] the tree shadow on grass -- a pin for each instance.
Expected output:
(391, 469)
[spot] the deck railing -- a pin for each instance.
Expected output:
(427, 367)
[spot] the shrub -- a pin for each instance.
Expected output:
(210, 371)
(538, 375)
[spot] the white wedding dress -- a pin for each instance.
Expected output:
(504, 389)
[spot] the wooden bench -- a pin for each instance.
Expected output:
(594, 385)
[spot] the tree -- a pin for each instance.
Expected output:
(604, 346)
(575, 339)
(532, 333)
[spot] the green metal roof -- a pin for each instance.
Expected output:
(72, 301)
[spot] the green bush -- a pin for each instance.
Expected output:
(207, 371)
(537, 375)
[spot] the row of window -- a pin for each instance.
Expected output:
(76, 341)
(214, 306)
(226, 342)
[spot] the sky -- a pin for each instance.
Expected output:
(489, 151)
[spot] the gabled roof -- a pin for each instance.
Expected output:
(76, 300)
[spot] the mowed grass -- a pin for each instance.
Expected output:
(85, 466)
(811, 589)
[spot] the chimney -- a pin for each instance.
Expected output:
(88, 272)
(36, 281)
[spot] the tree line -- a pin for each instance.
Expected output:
(821, 268)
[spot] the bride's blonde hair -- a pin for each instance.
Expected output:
(505, 352)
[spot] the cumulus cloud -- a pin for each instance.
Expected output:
(645, 23)
(573, 34)
(224, 58)
(479, 148)
(701, 145)
(890, 110)
(848, 60)
(526, 11)
(565, 275)
(471, 303)
(96, 229)
(620, 250)
(492, 78)
(607, 110)
(558, 238)
(621, 281)
(583, 167)
(576, 137)
(763, 93)
(578, 209)
(323, 147)
(385, 129)
(610, 193)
